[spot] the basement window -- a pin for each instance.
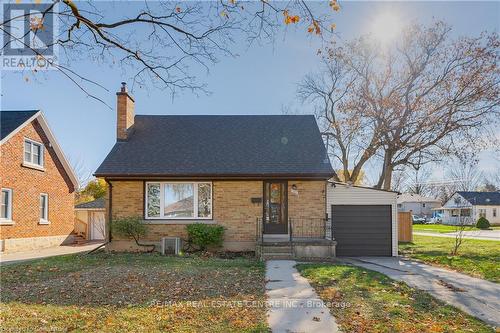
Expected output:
(178, 200)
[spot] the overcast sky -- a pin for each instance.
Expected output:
(261, 80)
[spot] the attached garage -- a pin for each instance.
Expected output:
(364, 220)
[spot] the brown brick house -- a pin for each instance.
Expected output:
(258, 176)
(37, 184)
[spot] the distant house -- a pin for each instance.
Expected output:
(417, 204)
(470, 206)
(37, 183)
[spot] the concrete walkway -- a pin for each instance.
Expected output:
(10, 258)
(479, 298)
(294, 306)
(476, 234)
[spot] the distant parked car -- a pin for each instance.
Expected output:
(418, 219)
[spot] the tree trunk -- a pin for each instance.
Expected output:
(385, 179)
(388, 177)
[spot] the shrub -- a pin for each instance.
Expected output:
(205, 235)
(131, 227)
(482, 223)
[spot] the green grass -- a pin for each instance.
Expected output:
(479, 258)
(375, 303)
(132, 293)
(442, 228)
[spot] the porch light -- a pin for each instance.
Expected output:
(294, 189)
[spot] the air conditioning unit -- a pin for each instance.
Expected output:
(171, 245)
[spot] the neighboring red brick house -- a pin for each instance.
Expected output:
(37, 184)
(262, 177)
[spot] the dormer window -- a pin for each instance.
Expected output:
(33, 153)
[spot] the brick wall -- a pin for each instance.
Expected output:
(232, 208)
(27, 184)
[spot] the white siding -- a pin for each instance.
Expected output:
(349, 195)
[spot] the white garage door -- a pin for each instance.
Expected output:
(97, 226)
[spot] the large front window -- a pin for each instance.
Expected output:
(179, 200)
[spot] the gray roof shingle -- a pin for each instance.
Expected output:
(11, 120)
(96, 204)
(253, 145)
(481, 198)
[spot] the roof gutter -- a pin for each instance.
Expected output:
(320, 176)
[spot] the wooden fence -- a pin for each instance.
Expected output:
(405, 226)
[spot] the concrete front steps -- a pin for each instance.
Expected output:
(276, 251)
(307, 249)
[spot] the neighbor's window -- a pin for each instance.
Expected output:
(179, 200)
(44, 208)
(482, 213)
(33, 152)
(6, 205)
(423, 205)
(465, 212)
(494, 212)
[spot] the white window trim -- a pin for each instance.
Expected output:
(46, 208)
(42, 154)
(8, 219)
(162, 201)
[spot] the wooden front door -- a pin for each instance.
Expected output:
(275, 207)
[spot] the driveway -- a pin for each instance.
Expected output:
(10, 258)
(471, 234)
(477, 297)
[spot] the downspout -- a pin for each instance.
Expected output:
(110, 209)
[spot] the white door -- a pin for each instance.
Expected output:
(97, 229)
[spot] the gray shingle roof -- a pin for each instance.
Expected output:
(98, 203)
(11, 120)
(254, 146)
(481, 198)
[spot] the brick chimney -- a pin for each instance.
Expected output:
(124, 113)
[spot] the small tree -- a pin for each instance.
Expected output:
(459, 234)
(131, 227)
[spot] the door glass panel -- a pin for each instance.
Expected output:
(275, 208)
(275, 203)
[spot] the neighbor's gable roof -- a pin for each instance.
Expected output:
(410, 197)
(95, 204)
(481, 198)
(253, 146)
(13, 121)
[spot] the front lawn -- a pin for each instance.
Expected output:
(134, 293)
(443, 228)
(375, 303)
(480, 258)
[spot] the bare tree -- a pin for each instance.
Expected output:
(351, 137)
(426, 97)
(465, 174)
(164, 42)
(419, 183)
